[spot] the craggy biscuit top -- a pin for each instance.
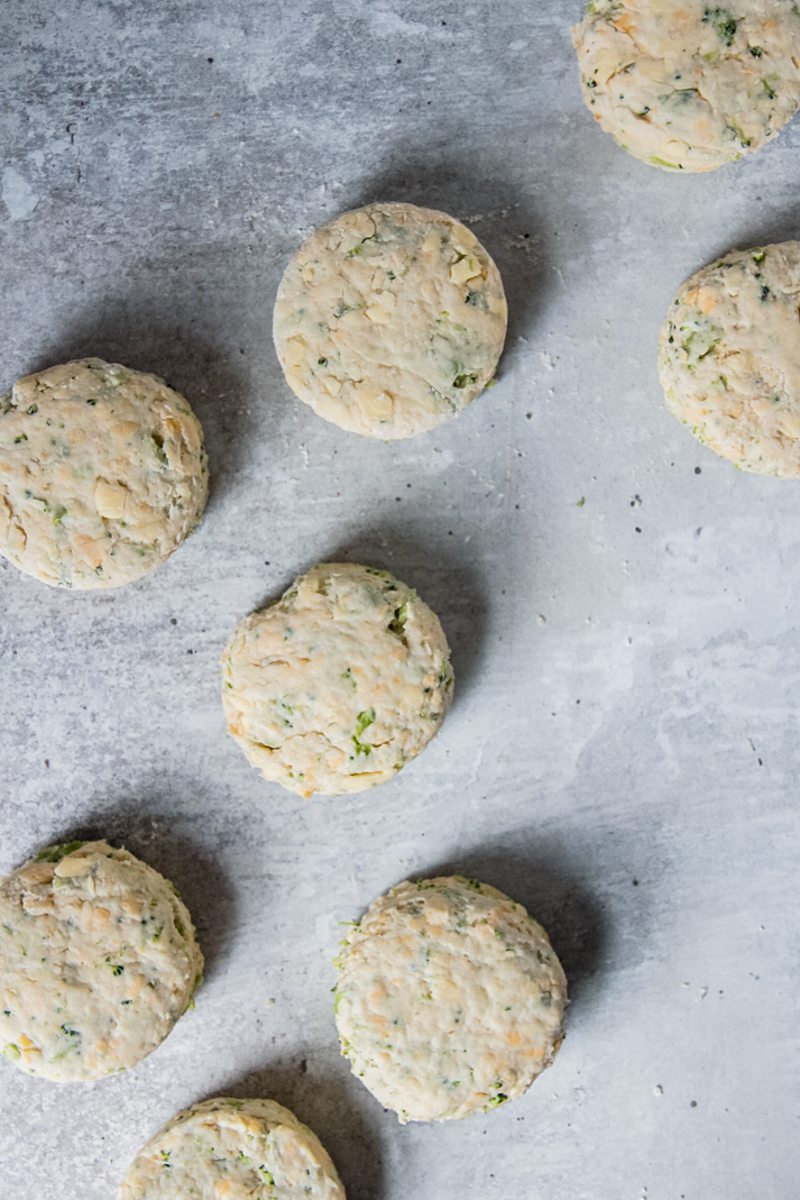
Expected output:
(449, 999)
(390, 320)
(687, 85)
(729, 358)
(98, 960)
(338, 685)
(102, 474)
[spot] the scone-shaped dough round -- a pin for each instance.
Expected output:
(449, 999)
(690, 86)
(235, 1149)
(102, 474)
(98, 960)
(729, 358)
(338, 685)
(390, 320)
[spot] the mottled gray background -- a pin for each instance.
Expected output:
(622, 751)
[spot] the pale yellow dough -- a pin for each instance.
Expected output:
(729, 358)
(102, 474)
(449, 999)
(236, 1150)
(390, 320)
(98, 960)
(338, 685)
(686, 85)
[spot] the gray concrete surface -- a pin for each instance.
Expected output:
(622, 755)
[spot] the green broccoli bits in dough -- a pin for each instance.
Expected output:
(98, 960)
(449, 999)
(338, 685)
(729, 358)
(102, 474)
(233, 1148)
(390, 320)
(690, 86)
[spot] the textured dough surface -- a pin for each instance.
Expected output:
(236, 1149)
(98, 960)
(390, 320)
(690, 86)
(102, 474)
(449, 999)
(338, 685)
(729, 358)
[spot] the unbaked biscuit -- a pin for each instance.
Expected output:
(102, 474)
(690, 86)
(449, 999)
(338, 685)
(233, 1148)
(390, 320)
(98, 960)
(729, 358)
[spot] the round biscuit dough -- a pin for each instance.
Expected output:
(690, 86)
(233, 1148)
(98, 960)
(449, 999)
(390, 320)
(102, 474)
(338, 685)
(729, 358)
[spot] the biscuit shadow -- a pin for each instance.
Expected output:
(539, 875)
(152, 836)
(777, 227)
(443, 572)
(308, 1086)
(149, 327)
(497, 211)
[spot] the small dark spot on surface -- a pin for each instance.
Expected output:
(449, 533)
(399, 61)
(635, 882)
(526, 235)
(209, 60)
(577, 701)
(397, 498)
(267, 563)
(516, 506)
(303, 1065)
(47, 762)
(190, 651)
(693, 1104)
(173, 620)
(638, 528)
(698, 470)
(408, 485)
(528, 416)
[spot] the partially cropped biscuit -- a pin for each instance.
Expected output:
(102, 474)
(390, 320)
(233, 1148)
(729, 358)
(338, 685)
(449, 999)
(690, 86)
(98, 960)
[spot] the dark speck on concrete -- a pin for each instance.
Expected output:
(698, 470)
